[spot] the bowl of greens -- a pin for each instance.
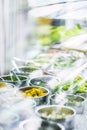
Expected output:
(17, 80)
(66, 60)
(75, 101)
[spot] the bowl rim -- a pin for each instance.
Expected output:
(27, 120)
(25, 87)
(25, 66)
(60, 106)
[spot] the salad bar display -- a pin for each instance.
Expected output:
(36, 91)
(47, 89)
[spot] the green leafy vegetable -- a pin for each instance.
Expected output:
(55, 34)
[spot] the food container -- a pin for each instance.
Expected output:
(42, 61)
(25, 70)
(56, 113)
(57, 99)
(38, 93)
(8, 117)
(45, 81)
(65, 60)
(77, 102)
(37, 124)
(17, 80)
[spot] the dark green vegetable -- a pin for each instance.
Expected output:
(66, 86)
(30, 69)
(13, 78)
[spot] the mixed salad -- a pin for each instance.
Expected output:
(75, 86)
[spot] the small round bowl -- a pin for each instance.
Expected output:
(38, 93)
(18, 80)
(77, 102)
(56, 113)
(45, 81)
(57, 99)
(25, 70)
(37, 124)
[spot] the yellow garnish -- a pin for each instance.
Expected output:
(2, 84)
(35, 92)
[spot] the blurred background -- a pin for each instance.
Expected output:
(38, 24)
